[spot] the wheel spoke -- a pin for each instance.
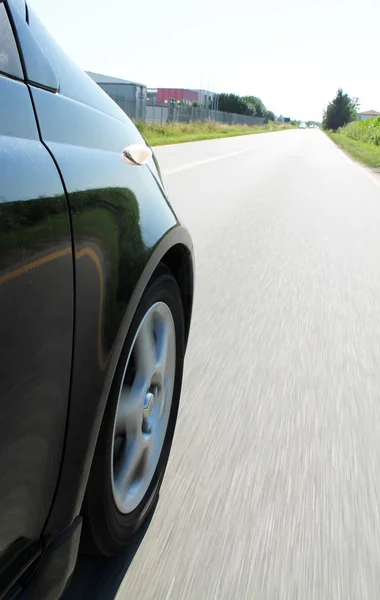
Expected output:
(163, 399)
(129, 462)
(129, 410)
(145, 349)
(162, 333)
(149, 443)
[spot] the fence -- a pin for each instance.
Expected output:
(162, 113)
(136, 107)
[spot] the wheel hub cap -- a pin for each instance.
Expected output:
(144, 406)
(148, 409)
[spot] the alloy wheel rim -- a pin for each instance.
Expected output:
(143, 407)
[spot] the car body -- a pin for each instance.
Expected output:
(82, 233)
(302, 125)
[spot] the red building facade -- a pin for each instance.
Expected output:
(163, 95)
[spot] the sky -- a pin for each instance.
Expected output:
(292, 54)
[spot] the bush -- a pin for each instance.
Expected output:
(364, 131)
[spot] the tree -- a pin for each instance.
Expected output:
(233, 104)
(340, 111)
(270, 116)
(257, 106)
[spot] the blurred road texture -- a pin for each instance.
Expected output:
(273, 488)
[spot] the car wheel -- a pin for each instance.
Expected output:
(138, 425)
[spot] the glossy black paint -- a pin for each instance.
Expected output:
(79, 195)
(119, 215)
(10, 63)
(36, 328)
(38, 69)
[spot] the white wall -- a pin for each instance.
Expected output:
(366, 117)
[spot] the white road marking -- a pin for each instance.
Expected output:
(198, 163)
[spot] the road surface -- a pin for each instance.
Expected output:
(273, 487)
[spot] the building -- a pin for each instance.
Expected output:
(205, 97)
(183, 95)
(129, 95)
(179, 94)
(151, 95)
(368, 114)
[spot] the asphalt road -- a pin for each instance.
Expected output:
(273, 487)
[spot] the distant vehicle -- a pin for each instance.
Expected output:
(96, 287)
(302, 125)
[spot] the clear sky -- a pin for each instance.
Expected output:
(293, 54)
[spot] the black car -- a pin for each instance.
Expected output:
(96, 289)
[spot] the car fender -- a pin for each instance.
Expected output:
(69, 496)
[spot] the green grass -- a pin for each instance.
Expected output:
(360, 139)
(367, 154)
(176, 133)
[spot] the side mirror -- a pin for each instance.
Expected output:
(137, 154)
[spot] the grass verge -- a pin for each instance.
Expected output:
(366, 153)
(177, 133)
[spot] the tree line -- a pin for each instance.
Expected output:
(251, 106)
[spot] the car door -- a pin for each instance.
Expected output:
(36, 318)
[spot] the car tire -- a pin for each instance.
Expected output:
(122, 492)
